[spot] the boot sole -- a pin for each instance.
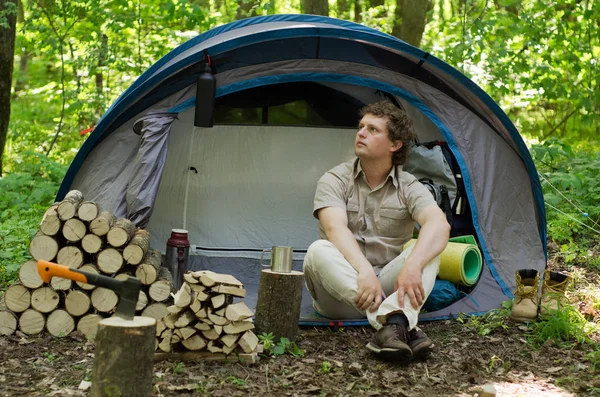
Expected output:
(390, 354)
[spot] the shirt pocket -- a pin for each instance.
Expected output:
(355, 222)
(392, 221)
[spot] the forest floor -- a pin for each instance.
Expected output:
(467, 356)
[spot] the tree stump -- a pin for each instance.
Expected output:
(124, 357)
(278, 305)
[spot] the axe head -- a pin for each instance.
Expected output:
(128, 297)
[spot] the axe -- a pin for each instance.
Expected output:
(128, 290)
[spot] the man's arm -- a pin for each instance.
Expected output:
(335, 223)
(433, 238)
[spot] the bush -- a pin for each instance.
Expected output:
(26, 194)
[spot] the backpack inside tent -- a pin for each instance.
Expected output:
(288, 92)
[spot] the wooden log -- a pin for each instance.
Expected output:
(202, 356)
(238, 327)
(73, 230)
(70, 256)
(43, 247)
(44, 299)
(229, 339)
(120, 233)
(61, 284)
(92, 244)
(90, 269)
(160, 290)
(88, 211)
(278, 304)
(165, 343)
(202, 326)
(68, 207)
(211, 334)
(29, 276)
(17, 298)
(60, 323)
(183, 297)
(149, 269)
(184, 319)
(51, 223)
(186, 332)
(109, 261)
(102, 223)
(229, 290)
(217, 320)
(218, 301)
(123, 358)
(195, 342)
(238, 311)
(77, 303)
(88, 325)
(155, 310)
(214, 346)
(31, 322)
(248, 342)
(104, 300)
(8, 322)
(142, 301)
(209, 279)
(135, 251)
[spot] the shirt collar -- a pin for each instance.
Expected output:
(393, 174)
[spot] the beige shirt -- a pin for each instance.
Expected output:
(382, 219)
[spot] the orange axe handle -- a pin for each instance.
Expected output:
(47, 270)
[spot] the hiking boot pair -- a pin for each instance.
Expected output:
(525, 306)
(395, 342)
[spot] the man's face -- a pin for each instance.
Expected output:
(372, 141)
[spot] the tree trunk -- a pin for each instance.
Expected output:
(409, 21)
(7, 56)
(315, 7)
(343, 9)
(278, 304)
(357, 11)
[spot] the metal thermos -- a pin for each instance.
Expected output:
(178, 251)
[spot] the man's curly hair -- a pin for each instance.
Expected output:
(400, 127)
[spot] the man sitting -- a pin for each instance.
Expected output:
(367, 210)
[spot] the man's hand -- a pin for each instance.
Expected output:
(410, 282)
(369, 291)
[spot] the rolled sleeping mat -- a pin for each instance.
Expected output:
(459, 263)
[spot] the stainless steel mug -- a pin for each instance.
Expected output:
(281, 258)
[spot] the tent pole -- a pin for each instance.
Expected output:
(187, 179)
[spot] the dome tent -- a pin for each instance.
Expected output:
(288, 91)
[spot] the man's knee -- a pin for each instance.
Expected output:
(317, 253)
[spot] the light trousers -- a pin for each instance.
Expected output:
(333, 285)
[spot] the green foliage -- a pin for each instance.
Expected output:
(488, 323)
(236, 381)
(326, 367)
(570, 177)
(26, 194)
(277, 349)
(178, 368)
(565, 325)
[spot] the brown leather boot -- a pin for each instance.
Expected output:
(553, 292)
(391, 343)
(525, 306)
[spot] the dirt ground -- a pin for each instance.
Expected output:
(335, 363)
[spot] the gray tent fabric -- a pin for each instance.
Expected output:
(148, 166)
(240, 188)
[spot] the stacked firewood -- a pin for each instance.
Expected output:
(204, 317)
(76, 233)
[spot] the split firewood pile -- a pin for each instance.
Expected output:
(204, 317)
(76, 233)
